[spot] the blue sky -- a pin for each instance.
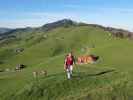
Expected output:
(24, 13)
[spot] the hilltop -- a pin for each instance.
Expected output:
(6, 33)
(44, 48)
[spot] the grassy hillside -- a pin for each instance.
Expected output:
(110, 78)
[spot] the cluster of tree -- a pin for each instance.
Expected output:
(120, 32)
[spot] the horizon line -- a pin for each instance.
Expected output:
(36, 26)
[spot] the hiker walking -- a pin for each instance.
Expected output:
(68, 65)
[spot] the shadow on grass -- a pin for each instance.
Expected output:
(78, 74)
(83, 74)
(104, 72)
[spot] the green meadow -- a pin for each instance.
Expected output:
(110, 78)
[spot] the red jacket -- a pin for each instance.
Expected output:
(69, 61)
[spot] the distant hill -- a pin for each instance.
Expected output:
(4, 30)
(62, 23)
(8, 36)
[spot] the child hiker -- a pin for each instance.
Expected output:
(68, 65)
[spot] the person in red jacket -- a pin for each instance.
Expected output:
(68, 65)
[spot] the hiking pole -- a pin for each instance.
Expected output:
(77, 68)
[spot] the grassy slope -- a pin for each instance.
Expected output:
(109, 79)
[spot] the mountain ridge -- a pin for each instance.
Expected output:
(66, 23)
(4, 30)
